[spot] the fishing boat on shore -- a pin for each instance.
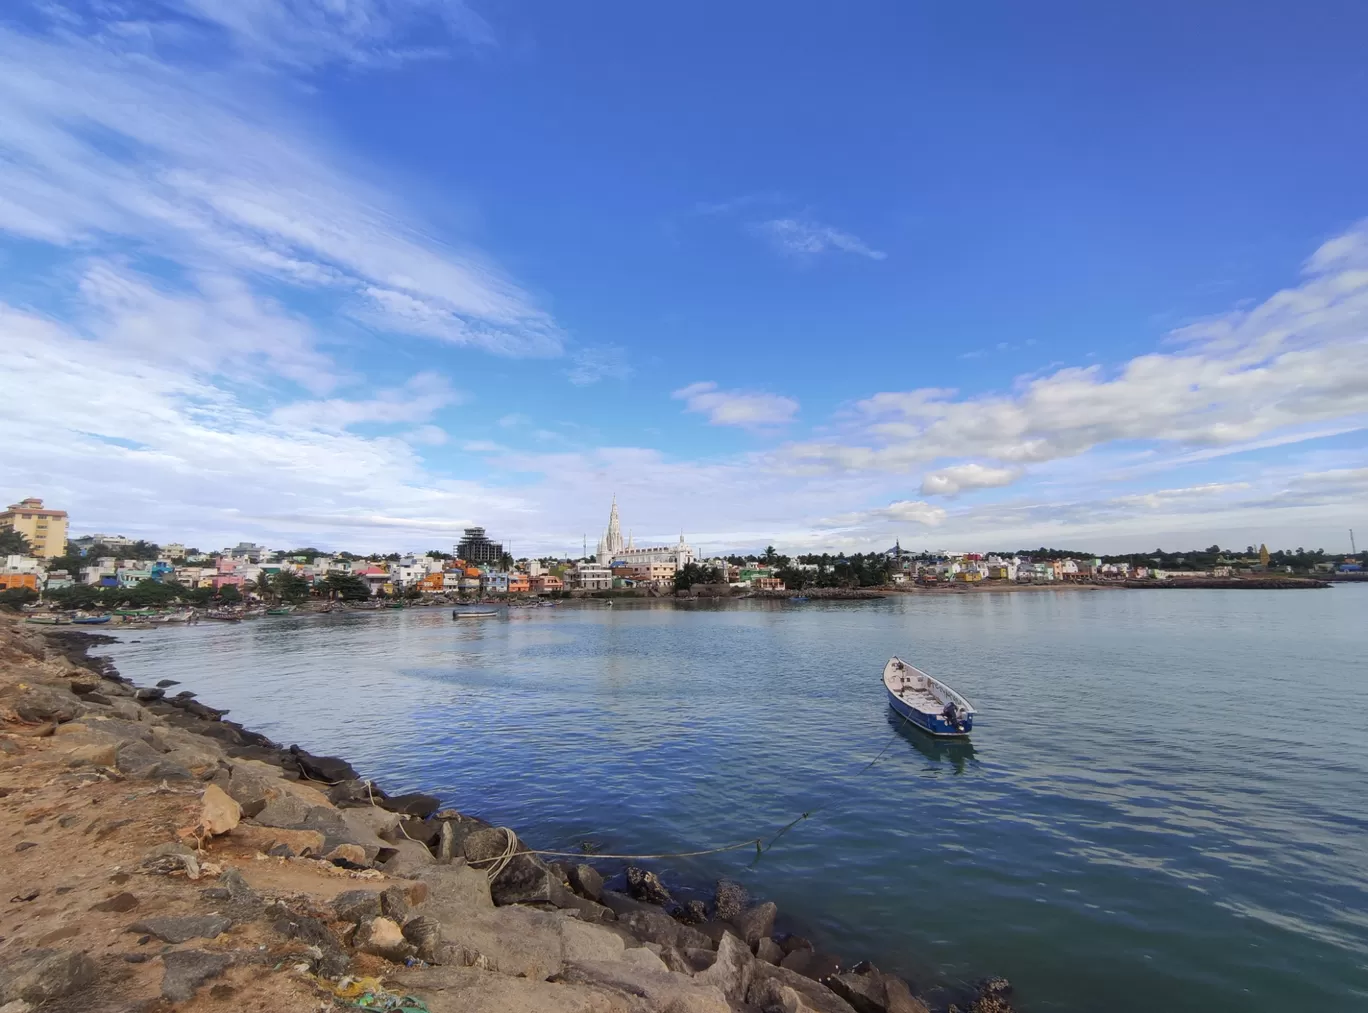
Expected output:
(282, 610)
(926, 702)
(473, 614)
(48, 620)
(90, 620)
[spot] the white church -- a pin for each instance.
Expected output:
(612, 550)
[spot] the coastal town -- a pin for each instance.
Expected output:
(41, 561)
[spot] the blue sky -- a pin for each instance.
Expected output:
(359, 274)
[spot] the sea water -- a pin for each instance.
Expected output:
(1164, 806)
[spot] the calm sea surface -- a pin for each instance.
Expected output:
(1165, 806)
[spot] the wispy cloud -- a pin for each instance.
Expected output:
(602, 362)
(803, 238)
(113, 149)
(747, 409)
(306, 33)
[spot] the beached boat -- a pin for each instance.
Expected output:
(283, 610)
(187, 616)
(137, 613)
(48, 620)
(472, 614)
(90, 620)
(926, 702)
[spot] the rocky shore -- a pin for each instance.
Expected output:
(162, 857)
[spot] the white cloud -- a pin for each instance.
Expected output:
(603, 362)
(748, 409)
(114, 149)
(417, 401)
(802, 238)
(953, 480)
(1298, 358)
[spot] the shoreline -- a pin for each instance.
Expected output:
(306, 817)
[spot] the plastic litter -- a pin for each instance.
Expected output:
(371, 994)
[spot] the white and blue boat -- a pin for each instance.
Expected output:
(473, 614)
(925, 702)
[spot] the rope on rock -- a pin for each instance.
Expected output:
(500, 862)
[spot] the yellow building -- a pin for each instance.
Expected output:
(46, 530)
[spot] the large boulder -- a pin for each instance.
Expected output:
(409, 859)
(41, 703)
(812, 964)
(41, 975)
(660, 989)
(655, 926)
(328, 769)
(187, 970)
(182, 928)
(383, 938)
(414, 804)
(586, 881)
(779, 988)
(869, 990)
(757, 922)
(731, 971)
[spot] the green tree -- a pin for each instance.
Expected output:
(15, 597)
(345, 586)
(289, 586)
(696, 573)
(229, 594)
(12, 543)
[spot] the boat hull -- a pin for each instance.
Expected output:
(931, 724)
(473, 615)
(91, 620)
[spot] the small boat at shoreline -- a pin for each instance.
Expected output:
(283, 610)
(48, 620)
(473, 614)
(926, 702)
(90, 620)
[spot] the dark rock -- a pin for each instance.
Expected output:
(98, 698)
(425, 934)
(183, 928)
(40, 975)
(768, 951)
(119, 902)
(699, 959)
(757, 922)
(39, 703)
(413, 804)
(265, 754)
(691, 912)
(333, 961)
(232, 888)
(456, 826)
(352, 792)
(729, 900)
(220, 732)
(863, 987)
(993, 996)
(646, 886)
(164, 770)
(187, 970)
(135, 958)
(281, 851)
(148, 694)
(811, 964)
(329, 769)
(25, 845)
(185, 694)
(162, 684)
(356, 906)
(425, 832)
(585, 881)
(396, 906)
(789, 942)
(136, 755)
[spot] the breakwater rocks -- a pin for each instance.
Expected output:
(162, 854)
(1230, 583)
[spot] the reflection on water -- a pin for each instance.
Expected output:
(1185, 846)
(957, 752)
